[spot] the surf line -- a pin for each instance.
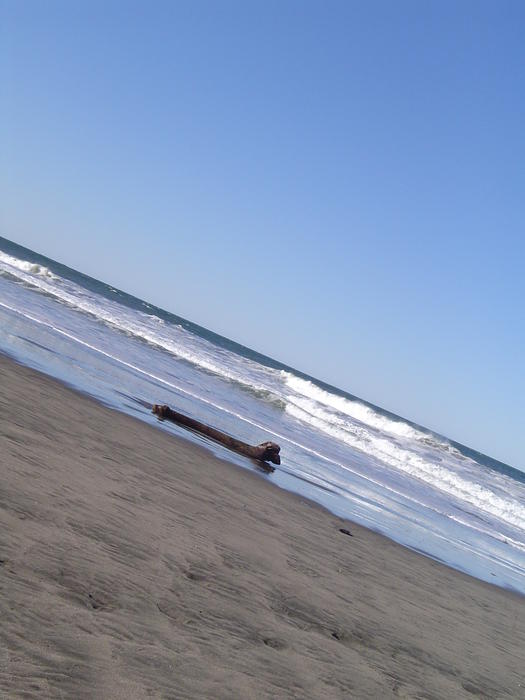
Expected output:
(119, 360)
(198, 398)
(72, 337)
(206, 401)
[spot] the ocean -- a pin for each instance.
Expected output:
(359, 461)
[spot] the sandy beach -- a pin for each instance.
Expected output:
(137, 565)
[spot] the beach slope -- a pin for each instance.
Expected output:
(137, 565)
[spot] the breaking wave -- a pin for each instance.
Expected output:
(169, 337)
(25, 267)
(354, 409)
(407, 461)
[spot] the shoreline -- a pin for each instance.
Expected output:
(136, 564)
(236, 460)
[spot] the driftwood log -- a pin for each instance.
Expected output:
(265, 452)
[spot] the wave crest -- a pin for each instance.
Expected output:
(359, 411)
(24, 266)
(409, 462)
(148, 327)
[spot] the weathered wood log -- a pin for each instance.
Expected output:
(265, 452)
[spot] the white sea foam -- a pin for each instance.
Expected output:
(355, 409)
(148, 327)
(154, 318)
(13, 265)
(409, 462)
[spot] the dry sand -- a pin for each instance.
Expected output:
(137, 565)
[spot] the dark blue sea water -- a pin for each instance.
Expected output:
(361, 462)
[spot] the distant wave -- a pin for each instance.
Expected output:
(155, 318)
(24, 266)
(409, 462)
(171, 338)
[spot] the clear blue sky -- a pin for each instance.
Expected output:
(340, 185)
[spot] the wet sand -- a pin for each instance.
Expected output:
(137, 565)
